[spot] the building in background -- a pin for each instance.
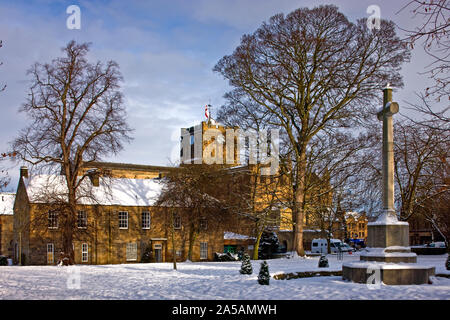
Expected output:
(124, 224)
(356, 228)
(6, 223)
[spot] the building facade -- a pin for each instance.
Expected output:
(6, 223)
(123, 226)
(356, 227)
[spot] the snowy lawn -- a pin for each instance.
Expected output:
(205, 280)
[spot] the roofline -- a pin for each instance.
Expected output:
(118, 165)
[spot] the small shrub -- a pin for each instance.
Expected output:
(3, 261)
(224, 257)
(241, 253)
(264, 275)
(447, 263)
(323, 262)
(147, 256)
(246, 267)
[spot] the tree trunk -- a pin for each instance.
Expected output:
(174, 252)
(298, 211)
(68, 235)
(256, 248)
(328, 244)
(192, 238)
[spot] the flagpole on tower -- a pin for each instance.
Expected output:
(208, 108)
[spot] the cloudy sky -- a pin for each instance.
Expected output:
(166, 51)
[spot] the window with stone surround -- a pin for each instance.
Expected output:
(82, 219)
(145, 220)
(84, 252)
(50, 253)
(52, 220)
(203, 224)
(177, 222)
(203, 250)
(123, 220)
(132, 251)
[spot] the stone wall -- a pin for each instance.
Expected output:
(107, 243)
(6, 235)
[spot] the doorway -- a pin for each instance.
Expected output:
(158, 252)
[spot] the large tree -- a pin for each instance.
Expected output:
(195, 193)
(253, 196)
(421, 155)
(76, 115)
(4, 177)
(433, 33)
(314, 69)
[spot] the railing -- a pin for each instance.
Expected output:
(340, 254)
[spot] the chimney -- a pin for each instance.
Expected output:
(94, 176)
(24, 172)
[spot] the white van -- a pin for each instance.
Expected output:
(321, 246)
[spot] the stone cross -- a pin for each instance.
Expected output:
(385, 114)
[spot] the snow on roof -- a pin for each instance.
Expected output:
(7, 203)
(111, 191)
(235, 236)
(353, 214)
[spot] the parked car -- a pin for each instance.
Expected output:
(436, 245)
(347, 248)
(321, 246)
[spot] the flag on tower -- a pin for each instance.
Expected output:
(207, 111)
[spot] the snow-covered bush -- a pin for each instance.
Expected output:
(447, 263)
(268, 245)
(264, 275)
(224, 257)
(323, 262)
(246, 267)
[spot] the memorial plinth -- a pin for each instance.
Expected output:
(388, 251)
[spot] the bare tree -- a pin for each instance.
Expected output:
(259, 199)
(195, 193)
(421, 172)
(310, 70)
(2, 87)
(434, 31)
(253, 196)
(421, 154)
(335, 162)
(436, 211)
(76, 116)
(4, 177)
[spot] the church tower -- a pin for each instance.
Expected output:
(209, 143)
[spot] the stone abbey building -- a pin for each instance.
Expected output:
(119, 227)
(123, 223)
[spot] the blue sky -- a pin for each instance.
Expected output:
(166, 51)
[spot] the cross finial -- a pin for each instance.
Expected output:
(389, 108)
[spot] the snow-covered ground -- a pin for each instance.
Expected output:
(205, 280)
